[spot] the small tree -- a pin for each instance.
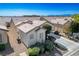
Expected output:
(76, 18)
(74, 27)
(47, 27)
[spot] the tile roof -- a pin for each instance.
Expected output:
(27, 26)
(3, 27)
(58, 20)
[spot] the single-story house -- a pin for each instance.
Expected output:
(3, 35)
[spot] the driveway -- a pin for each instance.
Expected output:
(70, 45)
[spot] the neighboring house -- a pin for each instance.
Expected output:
(3, 35)
(60, 24)
(31, 31)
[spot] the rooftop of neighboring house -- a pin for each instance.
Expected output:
(52, 19)
(58, 20)
(28, 25)
(16, 19)
(3, 27)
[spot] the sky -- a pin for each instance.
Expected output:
(19, 9)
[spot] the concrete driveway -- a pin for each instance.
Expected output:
(72, 47)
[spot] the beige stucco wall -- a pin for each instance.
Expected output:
(4, 37)
(66, 27)
(13, 30)
(60, 28)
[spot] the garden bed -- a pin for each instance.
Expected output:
(45, 49)
(2, 47)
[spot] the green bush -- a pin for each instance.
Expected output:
(33, 51)
(49, 45)
(39, 45)
(36, 45)
(2, 47)
(74, 27)
(42, 49)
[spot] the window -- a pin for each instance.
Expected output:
(0, 38)
(31, 36)
(41, 35)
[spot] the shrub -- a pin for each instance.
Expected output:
(39, 45)
(42, 49)
(49, 45)
(33, 51)
(2, 47)
(36, 45)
